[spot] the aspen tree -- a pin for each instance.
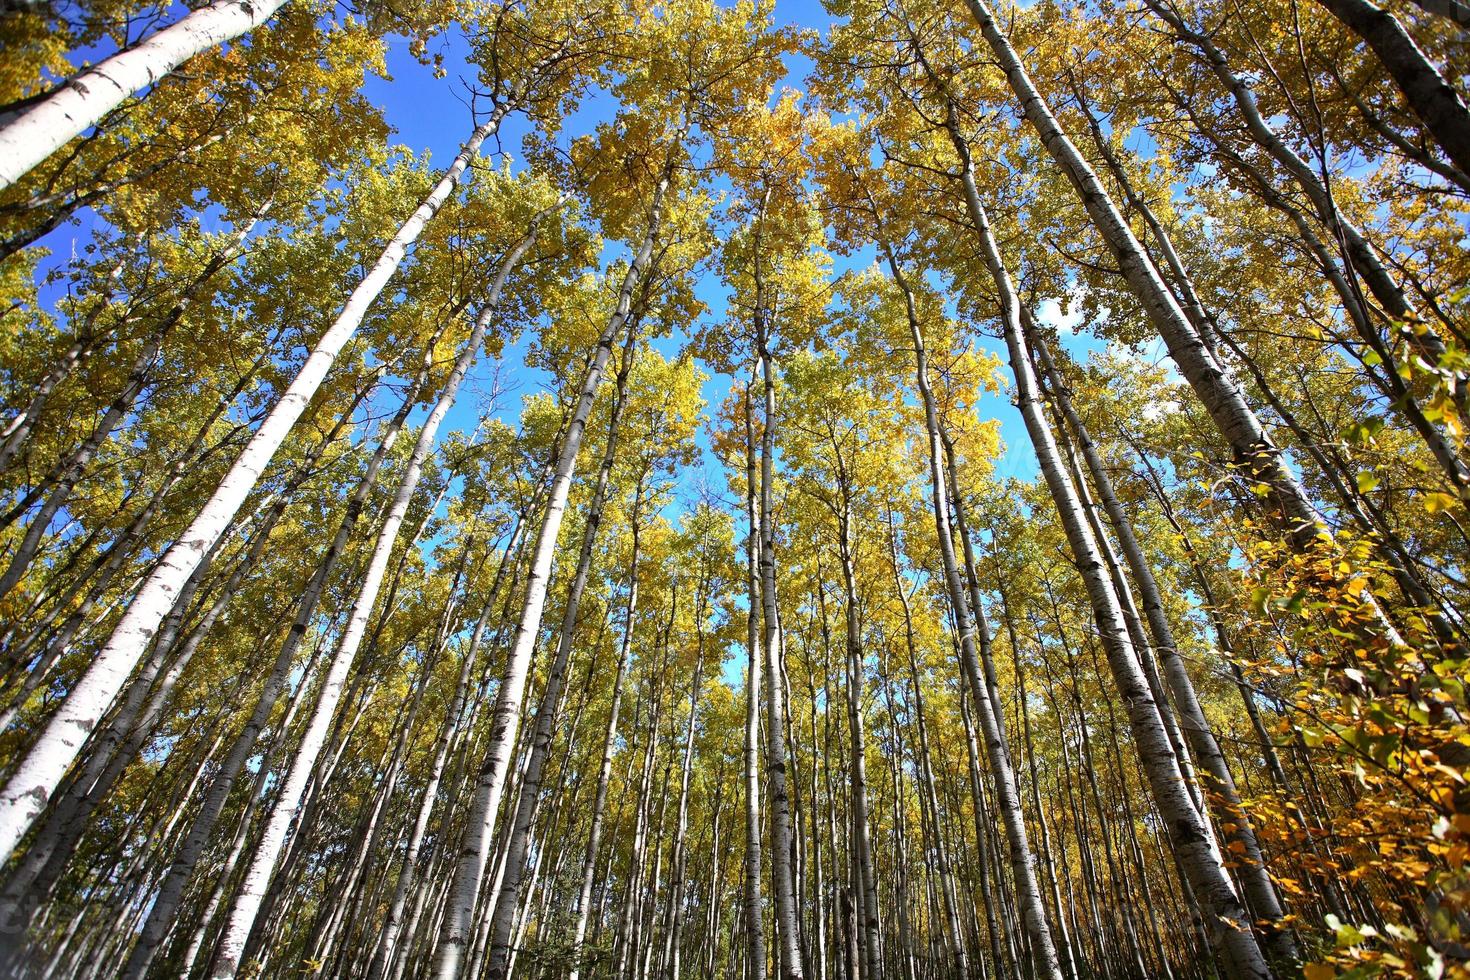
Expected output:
(258, 876)
(506, 718)
(36, 777)
(79, 103)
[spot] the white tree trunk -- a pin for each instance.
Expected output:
(1259, 889)
(505, 725)
(36, 776)
(1008, 796)
(283, 813)
(502, 914)
(1189, 830)
(583, 910)
(82, 101)
(1217, 389)
(454, 723)
(790, 966)
(755, 953)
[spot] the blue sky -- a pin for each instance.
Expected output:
(431, 114)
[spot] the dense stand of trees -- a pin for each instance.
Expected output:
(735, 647)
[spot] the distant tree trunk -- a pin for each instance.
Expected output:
(1068, 954)
(287, 805)
(454, 723)
(507, 900)
(674, 926)
(480, 831)
(171, 891)
(36, 776)
(755, 951)
(1023, 863)
(790, 965)
(982, 837)
(862, 843)
(583, 908)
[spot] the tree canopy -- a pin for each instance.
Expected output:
(913, 489)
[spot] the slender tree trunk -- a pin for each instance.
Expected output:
(1359, 255)
(508, 898)
(1259, 891)
(755, 959)
(583, 908)
(1358, 504)
(287, 806)
(1256, 455)
(1191, 835)
(982, 837)
(1064, 950)
(34, 779)
(57, 490)
(465, 889)
(1023, 864)
(674, 924)
(1439, 107)
(454, 721)
(862, 842)
(19, 428)
(790, 965)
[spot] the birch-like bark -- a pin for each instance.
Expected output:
(262, 867)
(982, 836)
(954, 938)
(790, 965)
(127, 731)
(1369, 517)
(1255, 453)
(105, 566)
(35, 778)
(583, 909)
(674, 925)
(1433, 99)
(755, 939)
(171, 891)
(1358, 253)
(453, 724)
(75, 106)
(1193, 841)
(505, 725)
(1259, 891)
(861, 822)
(1364, 259)
(1065, 949)
(502, 915)
(1008, 797)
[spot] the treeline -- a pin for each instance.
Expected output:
(301, 677)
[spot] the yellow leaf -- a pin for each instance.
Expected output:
(1318, 971)
(1436, 502)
